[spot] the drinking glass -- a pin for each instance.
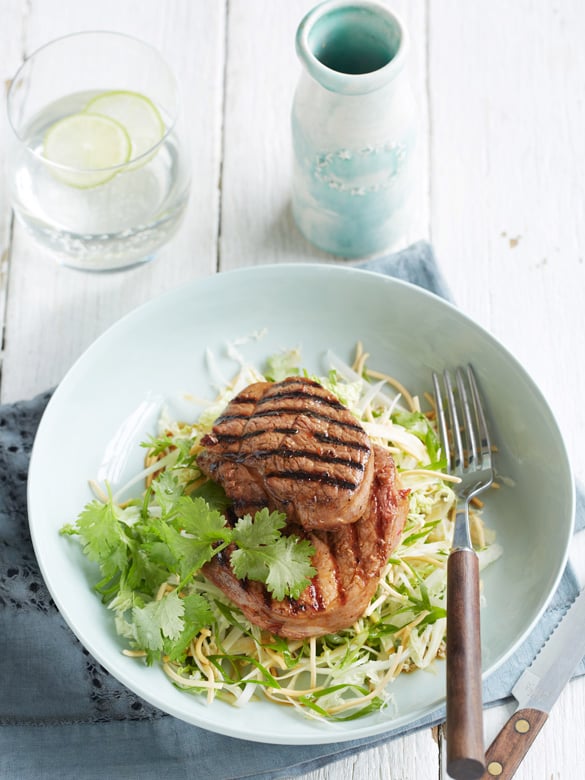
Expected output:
(98, 171)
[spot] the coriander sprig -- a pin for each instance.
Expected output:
(158, 549)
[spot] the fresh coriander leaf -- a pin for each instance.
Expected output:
(197, 615)
(190, 553)
(167, 491)
(284, 566)
(147, 627)
(201, 529)
(104, 537)
(171, 611)
(145, 573)
(99, 529)
(254, 538)
(161, 554)
(157, 620)
(290, 570)
(197, 611)
(191, 536)
(264, 529)
(197, 518)
(251, 564)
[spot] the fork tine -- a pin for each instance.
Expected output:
(442, 421)
(485, 446)
(458, 453)
(469, 426)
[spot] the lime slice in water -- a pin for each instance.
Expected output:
(136, 113)
(87, 144)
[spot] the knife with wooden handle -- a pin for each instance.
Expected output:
(536, 691)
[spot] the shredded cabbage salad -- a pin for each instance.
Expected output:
(150, 550)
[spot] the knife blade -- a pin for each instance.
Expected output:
(536, 691)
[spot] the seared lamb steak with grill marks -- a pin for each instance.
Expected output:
(291, 446)
(349, 561)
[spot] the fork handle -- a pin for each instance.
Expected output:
(465, 747)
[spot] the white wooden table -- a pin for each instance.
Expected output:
(501, 88)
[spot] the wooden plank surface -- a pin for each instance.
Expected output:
(500, 88)
(506, 86)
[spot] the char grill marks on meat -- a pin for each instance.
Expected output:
(291, 446)
(349, 561)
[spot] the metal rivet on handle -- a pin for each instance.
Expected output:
(522, 726)
(495, 768)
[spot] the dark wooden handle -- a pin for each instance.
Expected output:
(511, 745)
(465, 749)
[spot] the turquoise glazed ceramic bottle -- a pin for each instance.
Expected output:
(354, 130)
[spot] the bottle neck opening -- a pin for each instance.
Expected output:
(351, 47)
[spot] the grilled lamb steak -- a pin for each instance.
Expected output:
(294, 447)
(349, 561)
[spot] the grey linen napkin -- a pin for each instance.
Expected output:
(63, 716)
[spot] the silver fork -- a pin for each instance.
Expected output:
(466, 445)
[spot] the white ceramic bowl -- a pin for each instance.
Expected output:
(111, 398)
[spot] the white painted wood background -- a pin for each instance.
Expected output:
(501, 89)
